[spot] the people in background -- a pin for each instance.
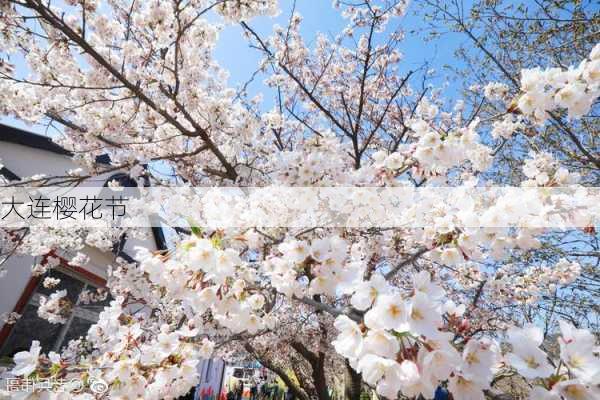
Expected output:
(253, 389)
(263, 389)
(289, 395)
(239, 390)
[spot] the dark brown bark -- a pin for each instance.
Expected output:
(352, 383)
(299, 393)
(317, 363)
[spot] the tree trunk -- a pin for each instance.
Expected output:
(352, 383)
(319, 378)
(297, 390)
(317, 363)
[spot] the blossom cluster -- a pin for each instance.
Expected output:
(573, 374)
(137, 365)
(574, 89)
(511, 284)
(400, 347)
(243, 10)
(56, 308)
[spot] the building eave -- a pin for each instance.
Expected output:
(10, 134)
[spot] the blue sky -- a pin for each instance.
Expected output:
(235, 55)
(319, 16)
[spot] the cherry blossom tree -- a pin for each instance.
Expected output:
(500, 39)
(404, 312)
(504, 37)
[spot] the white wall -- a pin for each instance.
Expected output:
(12, 284)
(25, 161)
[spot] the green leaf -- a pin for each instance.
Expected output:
(197, 231)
